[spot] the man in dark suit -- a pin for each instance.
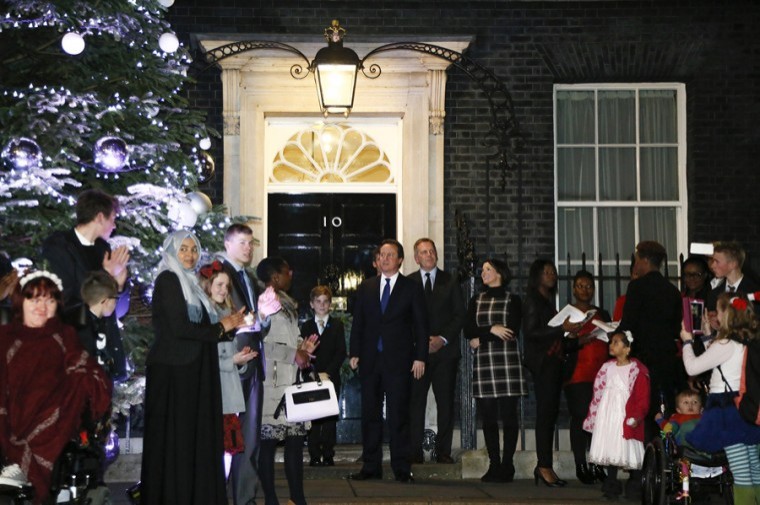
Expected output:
(653, 312)
(726, 263)
(245, 290)
(72, 254)
(446, 314)
(389, 339)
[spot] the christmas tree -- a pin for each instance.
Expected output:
(91, 96)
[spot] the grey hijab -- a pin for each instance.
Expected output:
(194, 295)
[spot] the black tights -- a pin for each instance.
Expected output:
(488, 409)
(293, 469)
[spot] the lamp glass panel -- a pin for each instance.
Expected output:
(336, 85)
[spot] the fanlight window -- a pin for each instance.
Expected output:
(334, 153)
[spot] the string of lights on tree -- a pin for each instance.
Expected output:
(91, 95)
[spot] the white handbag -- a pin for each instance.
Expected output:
(307, 401)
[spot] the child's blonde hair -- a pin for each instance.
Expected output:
(740, 322)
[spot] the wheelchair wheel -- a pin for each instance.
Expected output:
(653, 474)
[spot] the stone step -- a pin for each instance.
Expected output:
(469, 465)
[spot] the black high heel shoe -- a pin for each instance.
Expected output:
(537, 475)
(598, 472)
(585, 473)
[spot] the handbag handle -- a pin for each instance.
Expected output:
(305, 372)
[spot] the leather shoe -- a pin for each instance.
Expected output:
(584, 473)
(417, 459)
(315, 462)
(445, 459)
(364, 476)
(405, 477)
(328, 461)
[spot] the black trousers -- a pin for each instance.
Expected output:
(323, 434)
(442, 375)
(578, 397)
(393, 385)
(293, 469)
(547, 384)
(488, 411)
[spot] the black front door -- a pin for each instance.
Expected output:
(323, 236)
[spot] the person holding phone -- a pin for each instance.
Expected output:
(492, 326)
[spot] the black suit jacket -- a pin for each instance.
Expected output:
(446, 312)
(653, 312)
(404, 325)
(71, 261)
(251, 339)
(331, 352)
(746, 286)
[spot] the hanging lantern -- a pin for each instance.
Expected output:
(207, 168)
(110, 154)
(22, 153)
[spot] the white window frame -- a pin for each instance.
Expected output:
(680, 205)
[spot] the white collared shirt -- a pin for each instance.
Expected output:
(83, 240)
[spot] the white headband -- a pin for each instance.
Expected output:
(41, 273)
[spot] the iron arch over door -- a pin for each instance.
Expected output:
(325, 236)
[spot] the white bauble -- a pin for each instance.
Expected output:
(72, 43)
(182, 214)
(168, 42)
(200, 202)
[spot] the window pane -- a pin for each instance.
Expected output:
(575, 117)
(657, 116)
(617, 118)
(576, 232)
(659, 223)
(659, 173)
(576, 173)
(613, 283)
(616, 232)
(617, 173)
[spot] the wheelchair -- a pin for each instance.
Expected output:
(77, 477)
(681, 475)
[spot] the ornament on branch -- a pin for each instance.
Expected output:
(110, 154)
(205, 143)
(166, 3)
(200, 202)
(72, 43)
(22, 153)
(168, 42)
(182, 214)
(207, 168)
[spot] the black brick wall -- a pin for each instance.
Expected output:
(711, 46)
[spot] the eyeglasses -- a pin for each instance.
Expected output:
(693, 275)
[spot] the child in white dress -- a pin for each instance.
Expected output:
(616, 413)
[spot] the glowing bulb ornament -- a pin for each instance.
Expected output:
(72, 43)
(22, 153)
(110, 154)
(166, 3)
(205, 143)
(168, 42)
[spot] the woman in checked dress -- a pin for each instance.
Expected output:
(492, 326)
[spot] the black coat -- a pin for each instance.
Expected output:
(331, 352)
(71, 261)
(446, 312)
(538, 336)
(404, 326)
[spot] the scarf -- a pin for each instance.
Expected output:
(195, 297)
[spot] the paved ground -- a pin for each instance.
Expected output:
(424, 492)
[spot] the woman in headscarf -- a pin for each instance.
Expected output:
(183, 447)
